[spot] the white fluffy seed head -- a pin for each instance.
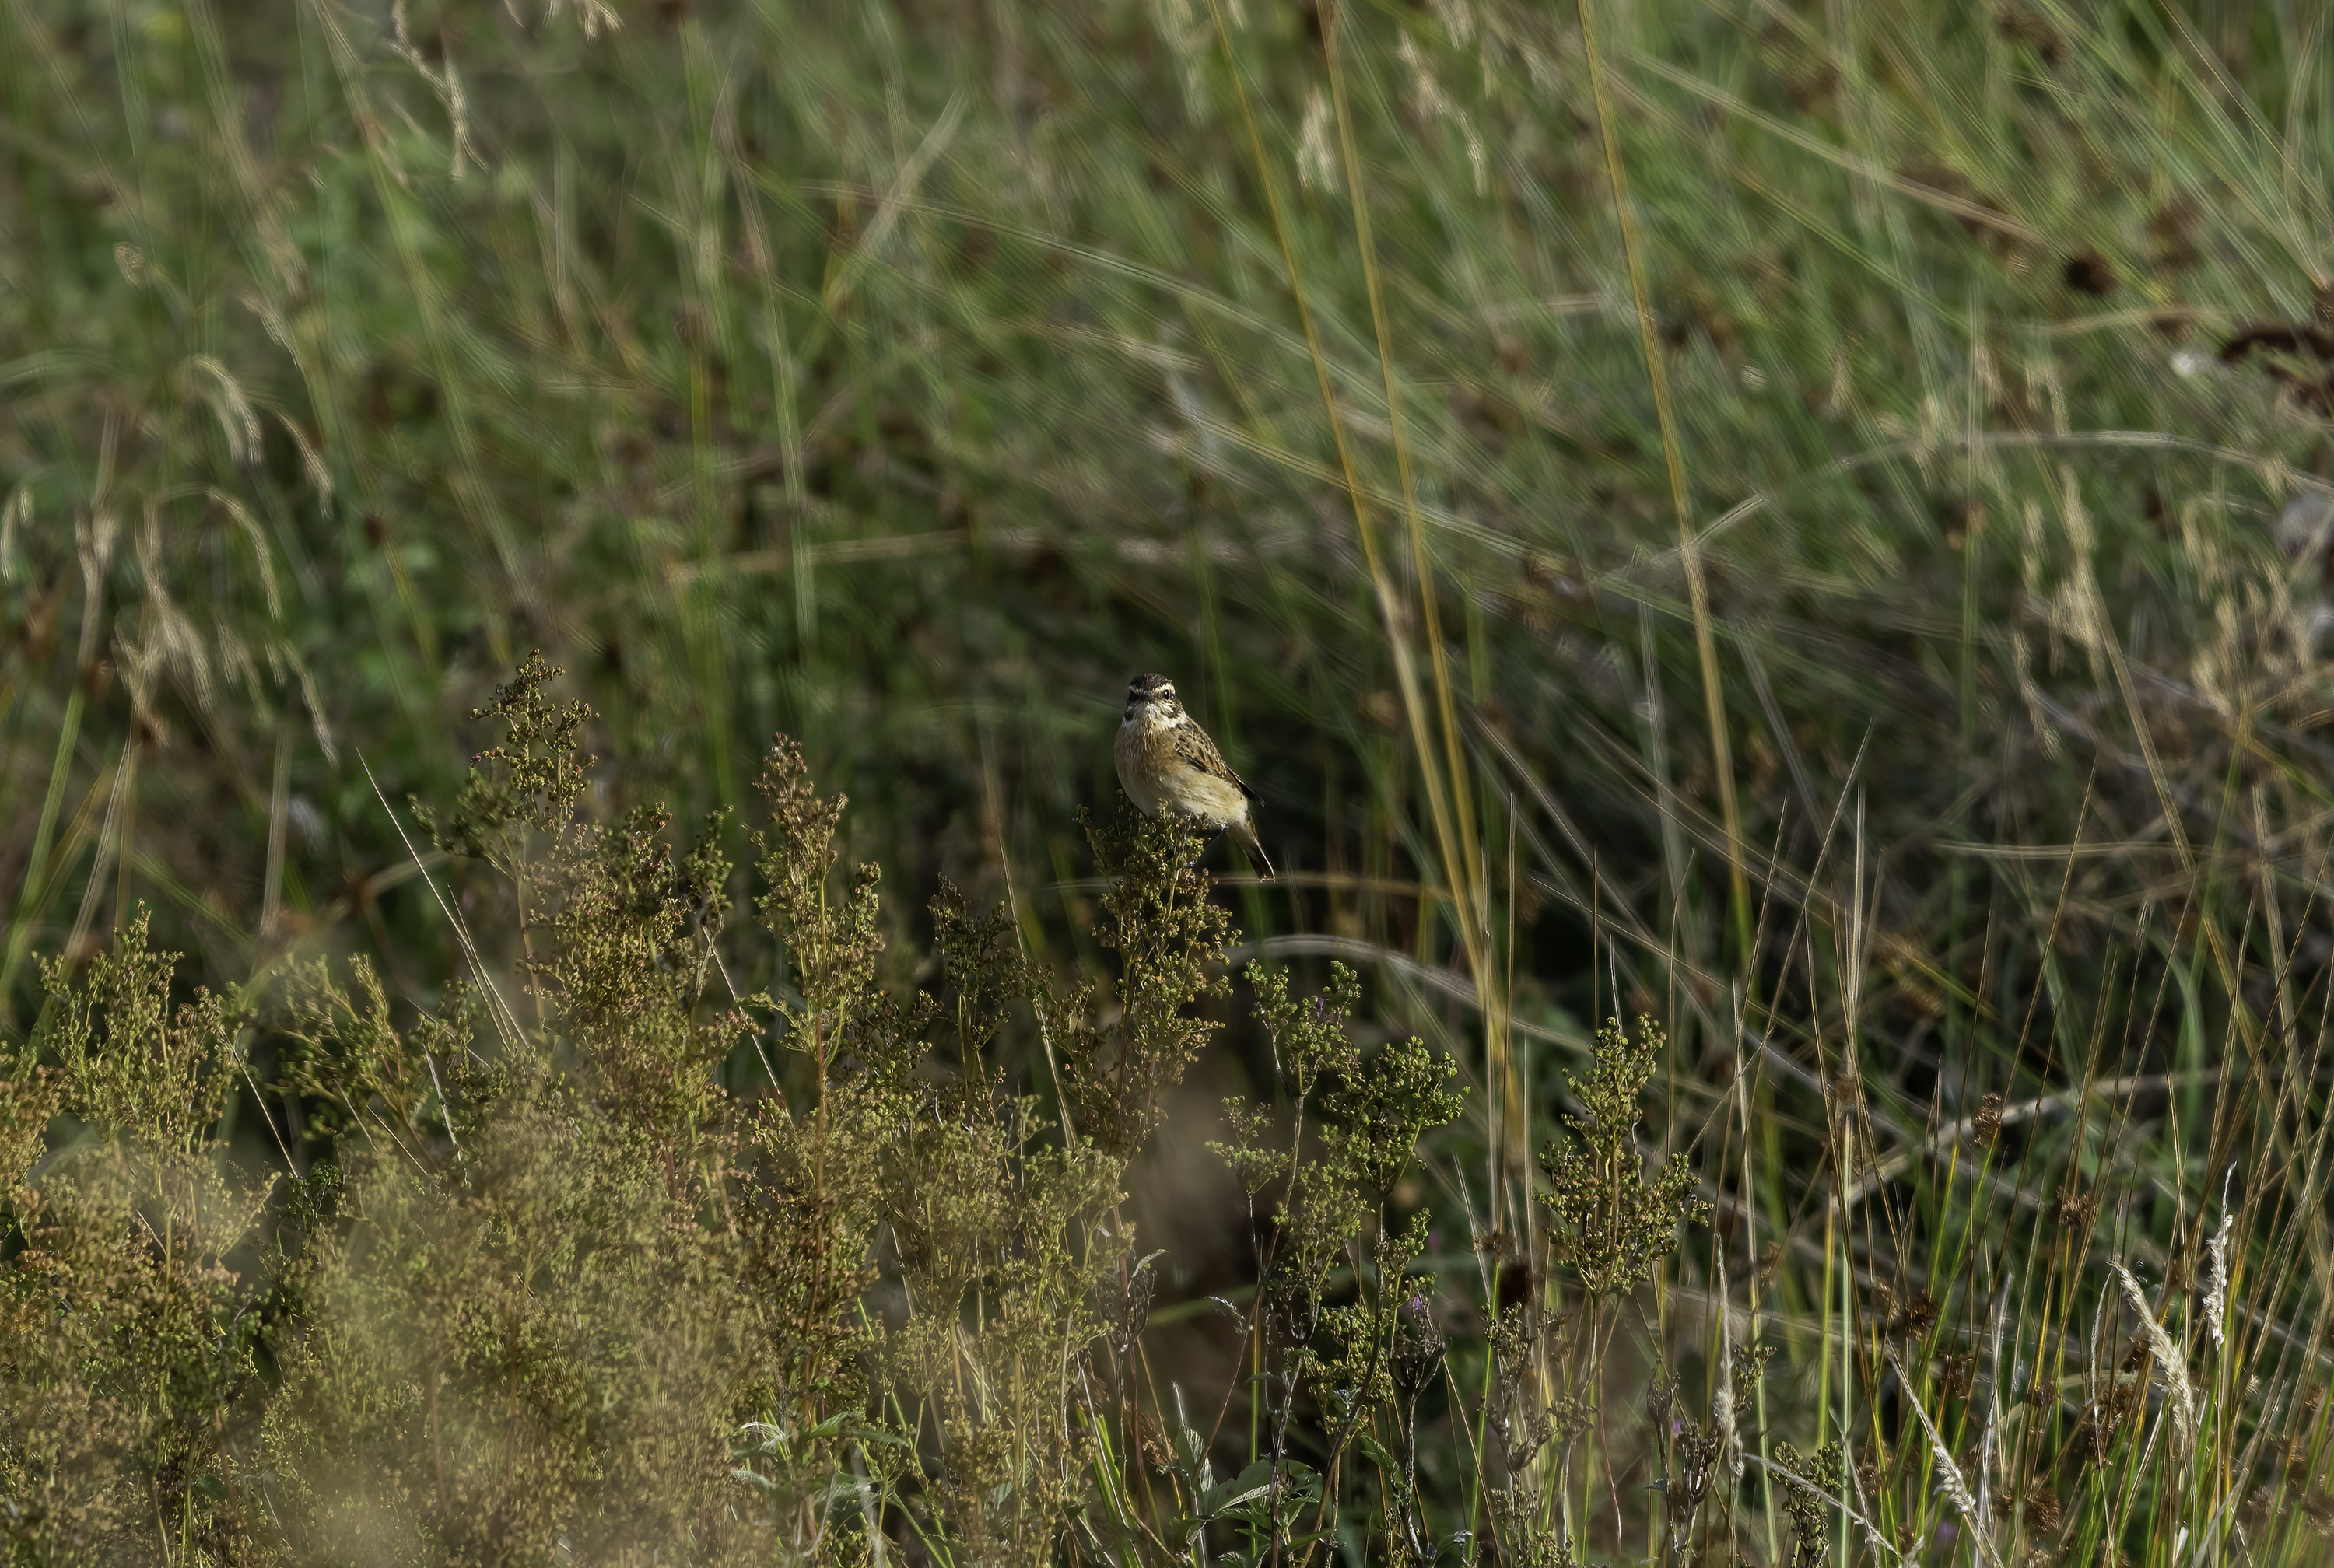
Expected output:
(2183, 1399)
(2216, 1271)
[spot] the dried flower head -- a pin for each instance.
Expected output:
(2075, 1208)
(1985, 1125)
(1959, 1372)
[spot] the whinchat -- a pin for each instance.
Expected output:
(1170, 767)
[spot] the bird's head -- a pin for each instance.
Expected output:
(1152, 697)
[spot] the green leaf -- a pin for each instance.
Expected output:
(1250, 1483)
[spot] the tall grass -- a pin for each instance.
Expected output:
(1807, 524)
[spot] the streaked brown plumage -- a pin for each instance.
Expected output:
(1168, 767)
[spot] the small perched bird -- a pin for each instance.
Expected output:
(1170, 767)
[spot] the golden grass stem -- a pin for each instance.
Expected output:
(1689, 545)
(1446, 803)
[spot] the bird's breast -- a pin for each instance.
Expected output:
(1134, 775)
(1186, 791)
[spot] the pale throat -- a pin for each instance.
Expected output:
(1148, 717)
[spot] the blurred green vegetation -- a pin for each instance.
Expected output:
(1904, 681)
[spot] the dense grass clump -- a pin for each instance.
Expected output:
(532, 1283)
(545, 1290)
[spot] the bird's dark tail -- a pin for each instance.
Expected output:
(1246, 833)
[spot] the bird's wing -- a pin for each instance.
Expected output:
(1193, 747)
